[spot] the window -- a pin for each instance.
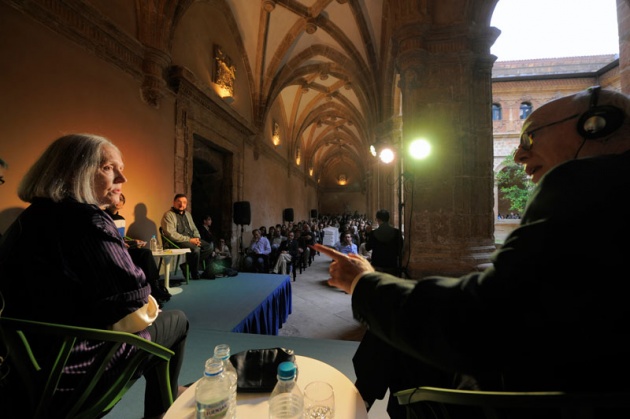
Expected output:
(497, 115)
(526, 109)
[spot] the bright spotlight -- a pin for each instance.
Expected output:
(387, 155)
(419, 149)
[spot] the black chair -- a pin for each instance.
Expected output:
(442, 403)
(294, 266)
(266, 268)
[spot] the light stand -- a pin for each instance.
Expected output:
(419, 149)
(401, 215)
(402, 177)
(240, 245)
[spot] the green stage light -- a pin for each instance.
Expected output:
(419, 149)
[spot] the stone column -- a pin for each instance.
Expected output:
(623, 22)
(447, 96)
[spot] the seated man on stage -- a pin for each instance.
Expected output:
(178, 226)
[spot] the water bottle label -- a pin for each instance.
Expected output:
(213, 410)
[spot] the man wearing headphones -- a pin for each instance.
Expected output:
(574, 133)
(552, 313)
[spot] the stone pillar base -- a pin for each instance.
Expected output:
(449, 260)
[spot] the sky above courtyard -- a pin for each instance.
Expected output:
(555, 28)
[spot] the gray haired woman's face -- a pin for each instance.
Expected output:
(109, 178)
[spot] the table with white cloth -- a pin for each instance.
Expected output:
(167, 256)
(348, 402)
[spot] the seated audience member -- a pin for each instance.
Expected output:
(289, 250)
(367, 254)
(550, 314)
(205, 231)
(223, 254)
(221, 264)
(307, 239)
(274, 241)
(257, 258)
(356, 239)
(346, 245)
(86, 277)
(277, 239)
(284, 231)
(141, 256)
(178, 226)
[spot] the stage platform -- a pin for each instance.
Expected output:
(246, 303)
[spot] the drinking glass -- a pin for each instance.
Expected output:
(319, 401)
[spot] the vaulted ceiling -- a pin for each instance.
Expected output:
(319, 60)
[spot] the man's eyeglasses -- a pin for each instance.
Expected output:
(527, 137)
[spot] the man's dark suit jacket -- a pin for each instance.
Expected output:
(385, 242)
(290, 246)
(552, 313)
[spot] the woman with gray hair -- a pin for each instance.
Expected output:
(84, 276)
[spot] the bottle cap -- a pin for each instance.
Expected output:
(222, 351)
(213, 367)
(286, 370)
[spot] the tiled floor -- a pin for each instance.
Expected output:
(324, 312)
(319, 310)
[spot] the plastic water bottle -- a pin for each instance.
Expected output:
(153, 244)
(212, 395)
(222, 352)
(286, 400)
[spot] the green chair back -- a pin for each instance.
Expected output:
(37, 375)
(442, 403)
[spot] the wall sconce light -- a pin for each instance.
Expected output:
(310, 171)
(226, 95)
(342, 180)
(275, 135)
(298, 156)
(224, 75)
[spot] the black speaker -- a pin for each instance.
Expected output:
(313, 213)
(287, 214)
(599, 121)
(242, 213)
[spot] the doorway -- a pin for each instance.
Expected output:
(211, 189)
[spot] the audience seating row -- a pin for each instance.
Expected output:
(297, 264)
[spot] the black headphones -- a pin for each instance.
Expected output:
(599, 121)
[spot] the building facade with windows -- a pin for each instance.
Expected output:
(520, 87)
